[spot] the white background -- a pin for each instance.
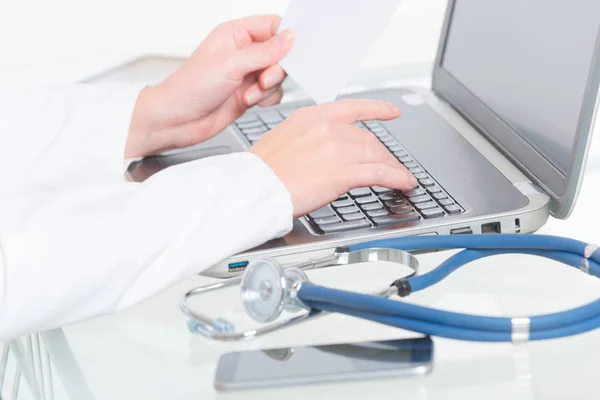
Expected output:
(49, 40)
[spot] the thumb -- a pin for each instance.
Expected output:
(261, 55)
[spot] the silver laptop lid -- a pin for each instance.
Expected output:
(526, 73)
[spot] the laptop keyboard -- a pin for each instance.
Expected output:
(367, 207)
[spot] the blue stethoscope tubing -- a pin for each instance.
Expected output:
(458, 325)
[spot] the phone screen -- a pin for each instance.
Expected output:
(323, 363)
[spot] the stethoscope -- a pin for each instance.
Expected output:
(268, 289)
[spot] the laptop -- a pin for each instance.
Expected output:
(498, 144)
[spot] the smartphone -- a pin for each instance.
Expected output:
(277, 367)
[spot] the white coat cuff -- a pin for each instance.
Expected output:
(118, 130)
(280, 196)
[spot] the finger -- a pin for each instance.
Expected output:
(273, 99)
(255, 94)
(260, 55)
(272, 76)
(260, 27)
(367, 148)
(361, 175)
(352, 110)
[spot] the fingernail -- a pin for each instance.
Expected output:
(253, 97)
(413, 180)
(270, 81)
(284, 38)
(394, 107)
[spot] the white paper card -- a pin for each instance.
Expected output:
(332, 37)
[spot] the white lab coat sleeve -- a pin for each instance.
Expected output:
(64, 135)
(79, 243)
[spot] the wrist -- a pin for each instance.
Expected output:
(146, 123)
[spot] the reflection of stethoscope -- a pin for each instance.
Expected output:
(267, 289)
(414, 350)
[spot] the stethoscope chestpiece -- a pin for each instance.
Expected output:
(267, 289)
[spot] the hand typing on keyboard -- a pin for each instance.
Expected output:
(236, 67)
(319, 154)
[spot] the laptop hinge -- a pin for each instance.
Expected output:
(528, 188)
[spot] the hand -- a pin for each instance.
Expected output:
(234, 68)
(319, 155)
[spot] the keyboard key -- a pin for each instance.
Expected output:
(414, 192)
(416, 170)
(371, 124)
(380, 190)
(381, 134)
(372, 206)
(440, 196)
(421, 176)
(391, 196)
(254, 137)
(377, 213)
(272, 125)
(434, 189)
(396, 202)
(400, 153)
(327, 220)
(397, 218)
(348, 210)
(411, 164)
(270, 116)
(252, 131)
(286, 112)
(343, 197)
(358, 124)
(419, 199)
(376, 129)
(359, 192)
(353, 217)
(433, 212)
(395, 147)
(342, 203)
(426, 182)
(346, 226)
(426, 205)
(251, 124)
(452, 209)
(389, 142)
(401, 209)
(247, 118)
(446, 202)
(367, 199)
(322, 212)
(405, 159)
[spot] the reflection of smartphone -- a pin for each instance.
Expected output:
(301, 365)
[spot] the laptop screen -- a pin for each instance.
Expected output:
(529, 63)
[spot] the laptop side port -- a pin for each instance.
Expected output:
(492, 227)
(238, 266)
(461, 231)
